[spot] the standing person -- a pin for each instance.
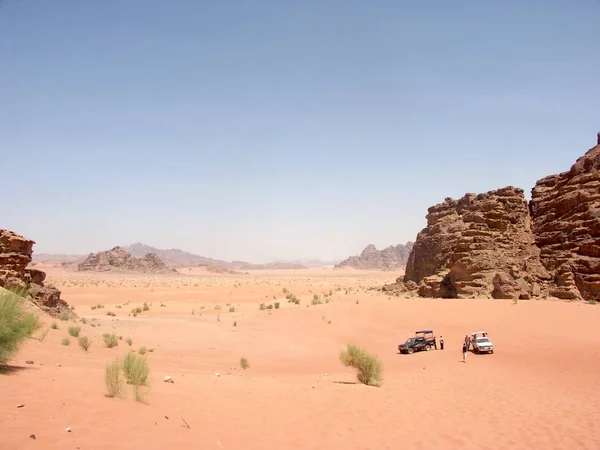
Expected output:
(441, 342)
(464, 349)
(434, 342)
(468, 342)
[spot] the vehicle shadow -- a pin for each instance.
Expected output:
(345, 382)
(12, 370)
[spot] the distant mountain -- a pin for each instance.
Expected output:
(389, 258)
(50, 258)
(119, 259)
(174, 257)
(312, 263)
(241, 265)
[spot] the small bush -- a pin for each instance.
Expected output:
(129, 342)
(146, 307)
(235, 323)
(142, 351)
(110, 313)
(54, 326)
(64, 315)
(84, 320)
(369, 368)
(276, 305)
(316, 301)
(113, 379)
(110, 340)
(232, 309)
(262, 307)
(136, 311)
(270, 307)
(592, 301)
(84, 342)
(244, 364)
(16, 325)
(74, 331)
(135, 369)
(66, 341)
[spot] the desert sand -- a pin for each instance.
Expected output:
(538, 390)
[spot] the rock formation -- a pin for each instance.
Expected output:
(566, 222)
(15, 256)
(389, 258)
(118, 259)
(496, 245)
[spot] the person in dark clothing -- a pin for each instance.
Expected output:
(434, 342)
(441, 342)
(464, 350)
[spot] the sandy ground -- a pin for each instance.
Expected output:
(538, 390)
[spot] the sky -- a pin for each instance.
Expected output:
(269, 129)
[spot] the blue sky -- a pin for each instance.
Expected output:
(258, 130)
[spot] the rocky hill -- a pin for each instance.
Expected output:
(15, 255)
(120, 260)
(173, 257)
(390, 258)
(496, 245)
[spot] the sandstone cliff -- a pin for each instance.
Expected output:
(118, 259)
(15, 256)
(389, 258)
(496, 245)
(566, 221)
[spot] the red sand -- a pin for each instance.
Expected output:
(538, 390)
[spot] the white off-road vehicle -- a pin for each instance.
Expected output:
(481, 343)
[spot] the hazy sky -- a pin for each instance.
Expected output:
(258, 130)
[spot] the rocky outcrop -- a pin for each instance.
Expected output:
(477, 246)
(496, 245)
(118, 259)
(565, 209)
(390, 258)
(15, 255)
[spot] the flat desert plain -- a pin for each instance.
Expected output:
(539, 390)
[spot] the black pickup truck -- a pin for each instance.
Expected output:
(423, 340)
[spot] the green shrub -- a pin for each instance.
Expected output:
(84, 320)
(368, 367)
(113, 379)
(592, 301)
(232, 309)
(142, 351)
(74, 331)
(110, 340)
(135, 369)
(276, 305)
(64, 315)
(129, 342)
(316, 300)
(66, 341)
(16, 324)
(110, 313)
(54, 326)
(146, 307)
(262, 307)
(84, 342)
(244, 364)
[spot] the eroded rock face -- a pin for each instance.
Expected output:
(15, 255)
(477, 246)
(389, 258)
(566, 221)
(118, 259)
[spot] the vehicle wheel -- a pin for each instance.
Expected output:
(427, 348)
(476, 350)
(410, 351)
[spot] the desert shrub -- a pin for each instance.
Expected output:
(66, 341)
(368, 367)
(316, 300)
(110, 340)
(142, 350)
(110, 313)
(83, 320)
(235, 323)
(270, 307)
(276, 304)
(136, 311)
(244, 364)
(84, 342)
(262, 307)
(64, 315)
(129, 342)
(146, 307)
(16, 324)
(592, 301)
(232, 309)
(54, 326)
(74, 331)
(113, 379)
(135, 369)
